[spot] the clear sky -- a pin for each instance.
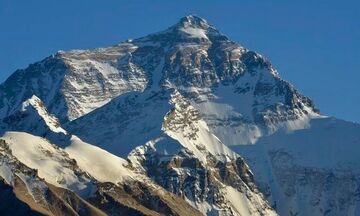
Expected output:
(315, 44)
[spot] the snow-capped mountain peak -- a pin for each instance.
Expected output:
(194, 22)
(191, 53)
(193, 27)
(183, 114)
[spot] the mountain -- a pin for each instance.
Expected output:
(182, 121)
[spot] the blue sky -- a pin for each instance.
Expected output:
(314, 44)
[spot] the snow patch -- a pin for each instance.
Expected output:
(194, 32)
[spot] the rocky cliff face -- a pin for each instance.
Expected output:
(180, 122)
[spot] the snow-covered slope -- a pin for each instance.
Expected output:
(23, 192)
(105, 167)
(317, 167)
(52, 163)
(27, 193)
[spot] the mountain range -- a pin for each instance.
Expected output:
(184, 121)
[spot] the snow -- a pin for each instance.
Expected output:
(51, 121)
(102, 165)
(240, 103)
(194, 32)
(242, 205)
(203, 207)
(329, 146)
(204, 143)
(327, 143)
(164, 146)
(53, 165)
(205, 140)
(33, 186)
(51, 162)
(6, 174)
(83, 66)
(132, 114)
(238, 201)
(157, 75)
(230, 115)
(226, 106)
(96, 76)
